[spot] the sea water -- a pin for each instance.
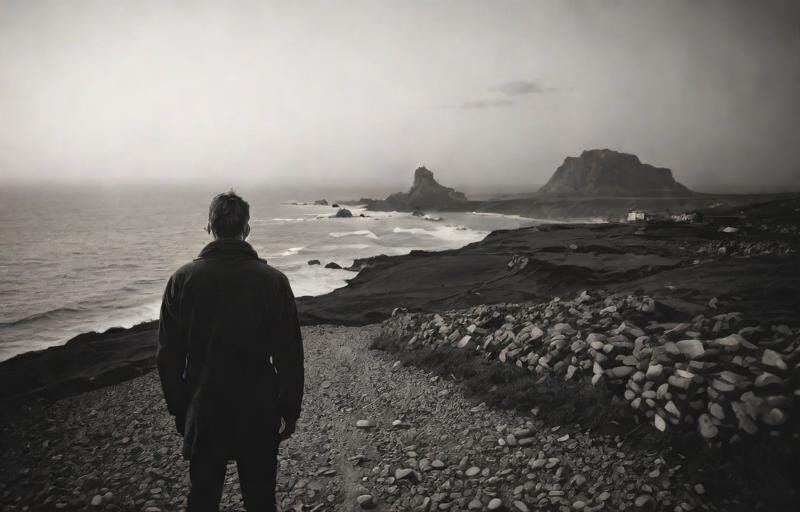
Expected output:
(76, 259)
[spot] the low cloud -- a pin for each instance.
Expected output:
(520, 88)
(494, 103)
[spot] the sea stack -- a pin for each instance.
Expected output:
(604, 172)
(426, 194)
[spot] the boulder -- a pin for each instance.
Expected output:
(343, 213)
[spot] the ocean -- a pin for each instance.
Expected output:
(78, 259)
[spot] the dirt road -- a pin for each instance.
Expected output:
(422, 446)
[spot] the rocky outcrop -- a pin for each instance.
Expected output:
(603, 172)
(344, 213)
(425, 194)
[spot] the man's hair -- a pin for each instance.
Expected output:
(228, 215)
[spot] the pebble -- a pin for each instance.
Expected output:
(495, 504)
(473, 471)
(366, 501)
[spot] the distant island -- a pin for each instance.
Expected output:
(604, 172)
(599, 184)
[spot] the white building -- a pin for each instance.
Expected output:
(637, 216)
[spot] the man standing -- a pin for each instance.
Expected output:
(230, 358)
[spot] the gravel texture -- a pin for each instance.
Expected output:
(374, 434)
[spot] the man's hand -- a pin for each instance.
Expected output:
(286, 429)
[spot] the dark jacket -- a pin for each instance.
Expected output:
(230, 353)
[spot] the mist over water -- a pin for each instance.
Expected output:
(79, 259)
(483, 93)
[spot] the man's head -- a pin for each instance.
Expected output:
(228, 216)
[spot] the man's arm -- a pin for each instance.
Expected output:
(287, 357)
(171, 355)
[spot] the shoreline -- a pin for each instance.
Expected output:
(683, 266)
(524, 208)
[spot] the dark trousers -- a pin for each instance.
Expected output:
(257, 475)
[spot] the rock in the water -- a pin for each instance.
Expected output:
(425, 194)
(344, 213)
(333, 265)
(604, 172)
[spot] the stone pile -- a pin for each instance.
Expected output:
(739, 248)
(718, 374)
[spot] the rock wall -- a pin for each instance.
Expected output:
(719, 375)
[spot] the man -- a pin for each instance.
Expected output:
(230, 358)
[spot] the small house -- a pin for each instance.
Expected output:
(637, 216)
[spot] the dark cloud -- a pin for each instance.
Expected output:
(493, 103)
(520, 88)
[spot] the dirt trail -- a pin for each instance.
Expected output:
(116, 446)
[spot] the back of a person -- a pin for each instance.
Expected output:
(230, 359)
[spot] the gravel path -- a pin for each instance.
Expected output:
(421, 446)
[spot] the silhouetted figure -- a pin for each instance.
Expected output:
(230, 358)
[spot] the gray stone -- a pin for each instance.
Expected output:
(495, 504)
(366, 501)
(691, 348)
(706, 428)
(773, 359)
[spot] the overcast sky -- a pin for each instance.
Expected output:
(489, 93)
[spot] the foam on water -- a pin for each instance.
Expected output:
(361, 232)
(449, 234)
(64, 261)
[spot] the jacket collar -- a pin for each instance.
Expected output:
(227, 247)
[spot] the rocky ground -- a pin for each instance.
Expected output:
(374, 434)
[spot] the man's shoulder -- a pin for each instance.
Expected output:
(257, 272)
(271, 271)
(186, 269)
